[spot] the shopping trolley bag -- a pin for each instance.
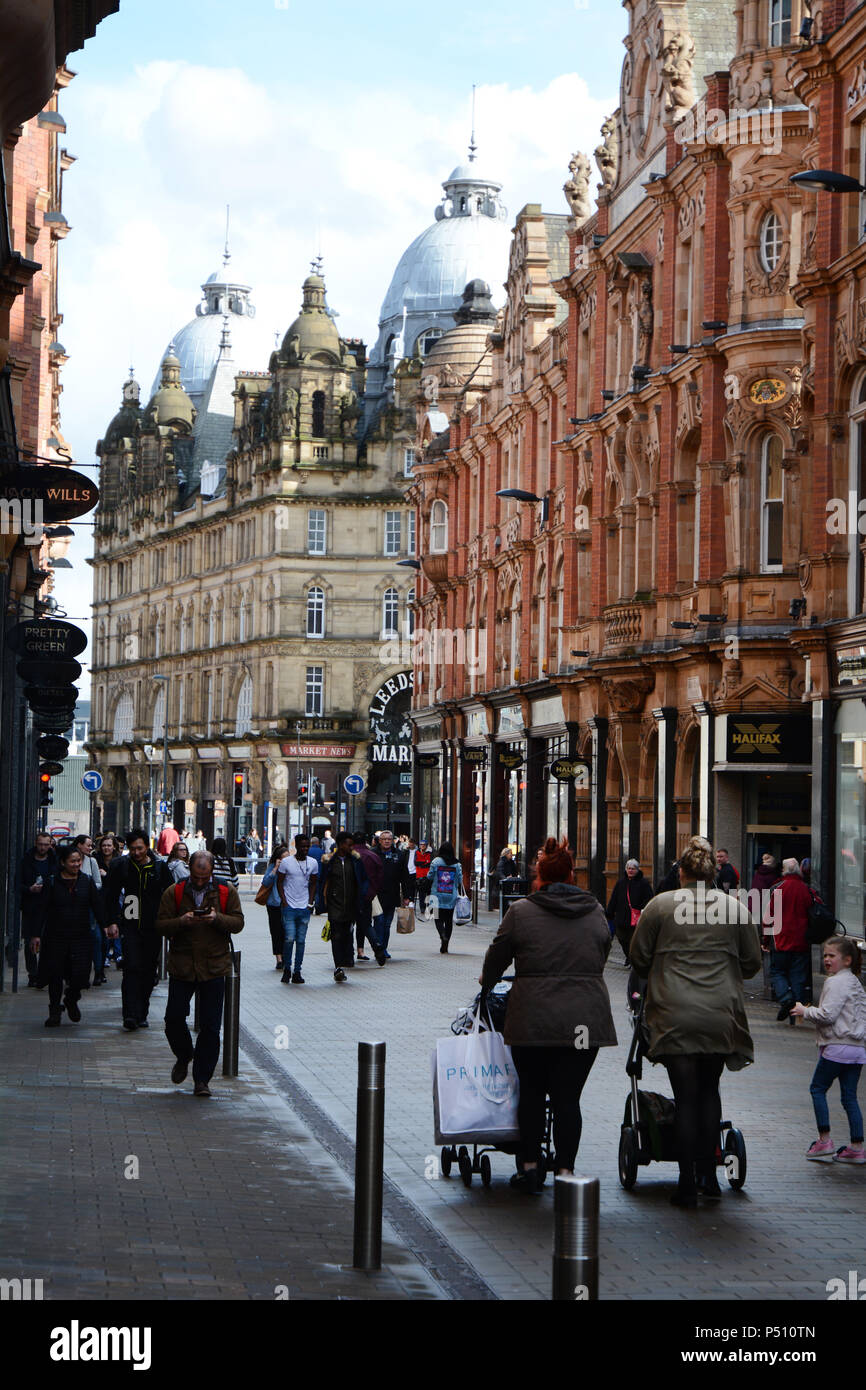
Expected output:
(475, 1088)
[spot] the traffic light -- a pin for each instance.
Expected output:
(238, 797)
(45, 795)
(302, 794)
(319, 793)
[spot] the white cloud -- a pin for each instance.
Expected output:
(162, 149)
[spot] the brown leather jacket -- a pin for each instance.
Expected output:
(199, 952)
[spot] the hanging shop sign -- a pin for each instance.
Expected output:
(59, 492)
(41, 672)
(566, 769)
(427, 760)
(316, 750)
(475, 757)
(511, 761)
(51, 746)
(52, 721)
(46, 639)
(51, 696)
(767, 738)
(390, 727)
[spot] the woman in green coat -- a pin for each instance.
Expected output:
(696, 945)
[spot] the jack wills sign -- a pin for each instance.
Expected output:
(60, 492)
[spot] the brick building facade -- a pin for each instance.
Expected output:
(652, 616)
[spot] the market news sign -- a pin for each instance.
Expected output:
(317, 750)
(765, 738)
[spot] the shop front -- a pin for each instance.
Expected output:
(389, 788)
(508, 786)
(763, 783)
(846, 841)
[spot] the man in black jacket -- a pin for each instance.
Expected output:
(37, 867)
(395, 891)
(137, 881)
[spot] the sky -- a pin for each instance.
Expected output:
(327, 127)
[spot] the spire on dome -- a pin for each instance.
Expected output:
(227, 255)
(473, 148)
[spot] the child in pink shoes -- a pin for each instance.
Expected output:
(840, 1020)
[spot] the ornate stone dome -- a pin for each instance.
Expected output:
(313, 332)
(170, 404)
(197, 344)
(461, 357)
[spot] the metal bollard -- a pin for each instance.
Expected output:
(575, 1239)
(163, 959)
(369, 1156)
(474, 918)
(232, 1018)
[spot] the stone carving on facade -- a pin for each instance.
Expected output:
(576, 189)
(660, 242)
(588, 306)
(607, 154)
(626, 696)
(645, 320)
(473, 555)
(762, 283)
(512, 531)
(857, 91)
(363, 676)
(732, 679)
(289, 410)
(677, 74)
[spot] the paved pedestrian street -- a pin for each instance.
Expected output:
(248, 1196)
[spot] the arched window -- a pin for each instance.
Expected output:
(159, 715)
(245, 619)
(541, 594)
(390, 613)
(772, 503)
(207, 702)
(315, 612)
(516, 634)
(244, 720)
(123, 718)
(318, 413)
(772, 242)
(438, 528)
(426, 339)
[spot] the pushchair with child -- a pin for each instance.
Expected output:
(492, 1008)
(647, 1134)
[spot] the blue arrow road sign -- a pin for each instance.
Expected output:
(354, 784)
(92, 781)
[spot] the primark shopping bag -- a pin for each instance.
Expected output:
(475, 1089)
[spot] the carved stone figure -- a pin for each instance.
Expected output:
(677, 78)
(289, 411)
(645, 319)
(576, 189)
(607, 153)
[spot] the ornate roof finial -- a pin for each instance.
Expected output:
(317, 264)
(472, 145)
(227, 255)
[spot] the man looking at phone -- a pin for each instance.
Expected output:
(198, 916)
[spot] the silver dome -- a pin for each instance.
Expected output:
(197, 344)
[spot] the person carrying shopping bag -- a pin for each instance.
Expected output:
(446, 877)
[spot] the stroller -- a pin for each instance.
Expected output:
(478, 1161)
(647, 1133)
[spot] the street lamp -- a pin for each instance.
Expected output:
(167, 680)
(519, 495)
(827, 181)
(410, 564)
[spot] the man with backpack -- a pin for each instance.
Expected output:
(198, 915)
(136, 883)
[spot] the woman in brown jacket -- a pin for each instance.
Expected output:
(558, 1013)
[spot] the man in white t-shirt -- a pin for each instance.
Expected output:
(296, 877)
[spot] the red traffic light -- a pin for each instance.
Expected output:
(239, 779)
(45, 778)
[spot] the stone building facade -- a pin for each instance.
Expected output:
(646, 619)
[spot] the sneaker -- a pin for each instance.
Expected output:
(381, 958)
(72, 1010)
(847, 1154)
(822, 1150)
(201, 1088)
(143, 1023)
(530, 1182)
(179, 1071)
(297, 978)
(53, 1019)
(340, 976)
(285, 978)
(361, 956)
(130, 1025)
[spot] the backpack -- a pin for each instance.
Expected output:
(222, 889)
(820, 922)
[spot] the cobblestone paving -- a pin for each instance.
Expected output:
(234, 1199)
(794, 1226)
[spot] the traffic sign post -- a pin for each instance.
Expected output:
(92, 781)
(354, 784)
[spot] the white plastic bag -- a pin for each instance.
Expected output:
(475, 1089)
(462, 909)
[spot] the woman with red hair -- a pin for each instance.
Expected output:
(558, 1012)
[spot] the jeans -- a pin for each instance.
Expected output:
(206, 1051)
(382, 928)
(341, 944)
(789, 974)
(558, 1072)
(141, 950)
(100, 946)
(295, 923)
(695, 1082)
(849, 1077)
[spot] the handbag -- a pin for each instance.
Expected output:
(405, 920)
(265, 887)
(635, 911)
(326, 931)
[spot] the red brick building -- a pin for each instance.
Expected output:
(652, 615)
